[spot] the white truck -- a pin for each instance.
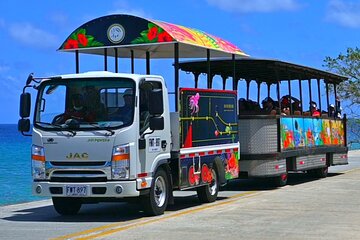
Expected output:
(102, 136)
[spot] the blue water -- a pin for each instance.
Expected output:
(15, 176)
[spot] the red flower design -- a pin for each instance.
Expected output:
(232, 162)
(82, 39)
(164, 37)
(71, 43)
(152, 33)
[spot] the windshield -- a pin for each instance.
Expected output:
(85, 103)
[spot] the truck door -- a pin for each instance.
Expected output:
(156, 149)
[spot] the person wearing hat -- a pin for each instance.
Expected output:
(125, 113)
(268, 105)
(313, 109)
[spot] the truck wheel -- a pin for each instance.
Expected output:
(156, 201)
(281, 180)
(66, 206)
(321, 172)
(209, 192)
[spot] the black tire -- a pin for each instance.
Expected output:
(209, 192)
(156, 201)
(321, 172)
(66, 206)
(281, 180)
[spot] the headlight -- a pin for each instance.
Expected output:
(38, 162)
(120, 167)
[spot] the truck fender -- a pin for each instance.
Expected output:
(164, 163)
(219, 166)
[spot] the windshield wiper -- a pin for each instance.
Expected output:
(96, 126)
(60, 126)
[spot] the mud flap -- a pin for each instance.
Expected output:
(218, 164)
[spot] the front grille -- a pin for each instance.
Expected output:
(78, 176)
(78, 179)
(80, 164)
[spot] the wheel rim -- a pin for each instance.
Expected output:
(213, 184)
(160, 191)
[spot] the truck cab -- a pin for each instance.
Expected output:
(98, 134)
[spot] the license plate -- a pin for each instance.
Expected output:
(76, 191)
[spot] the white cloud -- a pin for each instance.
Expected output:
(344, 13)
(59, 19)
(247, 6)
(29, 35)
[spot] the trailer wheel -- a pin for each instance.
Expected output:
(209, 192)
(66, 206)
(321, 172)
(281, 180)
(156, 201)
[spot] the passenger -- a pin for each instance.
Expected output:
(77, 111)
(92, 101)
(331, 110)
(268, 105)
(314, 110)
(125, 113)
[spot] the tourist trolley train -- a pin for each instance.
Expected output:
(107, 136)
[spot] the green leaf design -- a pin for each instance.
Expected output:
(150, 25)
(82, 31)
(74, 36)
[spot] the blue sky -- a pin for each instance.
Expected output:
(303, 32)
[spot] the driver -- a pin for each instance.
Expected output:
(78, 111)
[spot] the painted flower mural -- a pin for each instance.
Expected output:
(80, 39)
(153, 34)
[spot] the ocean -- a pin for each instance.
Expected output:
(15, 177)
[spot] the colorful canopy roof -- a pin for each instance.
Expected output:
(126, 33)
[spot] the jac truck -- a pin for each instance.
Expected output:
(107, 136)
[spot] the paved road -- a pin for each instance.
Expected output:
(246, 209)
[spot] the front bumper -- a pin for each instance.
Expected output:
(118, 189)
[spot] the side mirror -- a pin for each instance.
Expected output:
(25, 103)
(156, 123)
(156, 103)
(24, 125)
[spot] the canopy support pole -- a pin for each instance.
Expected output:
(224, 77)
(105, 60)
(116, 60)
(132, 61)
(310, 92)
(176, 65)
(301, 97)
(77, 61)
(148, 63)
(278, 87)
(336, 102)
(319, 93)
(208, 69)
(289, 86)
(327, 97)
(258, 91)
(235, 81)
(196, 76)
(247, 89)
(268, 89)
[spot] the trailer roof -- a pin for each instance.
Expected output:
(125, 33)
(263, 70)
